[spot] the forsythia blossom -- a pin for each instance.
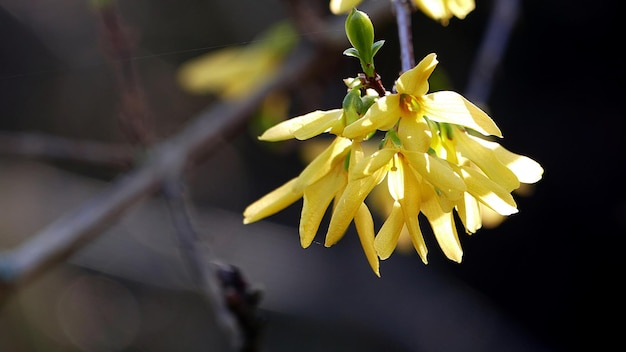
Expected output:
(434, 157)
(440, 10)
(233, 72)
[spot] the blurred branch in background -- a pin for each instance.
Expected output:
(502, 20)
(55, 148)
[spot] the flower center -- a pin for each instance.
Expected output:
(409, 104)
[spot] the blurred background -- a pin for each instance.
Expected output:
(545, 279)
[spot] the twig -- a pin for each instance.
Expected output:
(119, 47)
(198, 259)
(403, 11)
(501, 21)
(37, 145)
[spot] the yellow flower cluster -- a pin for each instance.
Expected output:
(433, 159)
(234, 71)
(439, 10)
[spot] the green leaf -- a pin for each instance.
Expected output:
(352, 52)
(376, 46)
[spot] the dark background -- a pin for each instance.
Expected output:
(548, 278)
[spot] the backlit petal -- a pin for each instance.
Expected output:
(324, 162)
(378, 160)
(415, 81)
(382, 115)
(480, 152)
(443, 226)
(411, 209)
(488, 192)
(451, 107)
(438, 172)
(305, 126)
(526, 169)
(338, 7)
(365, 229)
(316, 199)
(272, 203)
(348, 204)
(460, 8)
(468, 209)
(414, 134)
(395, 179)
(387, 237)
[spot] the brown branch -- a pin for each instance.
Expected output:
(502, 19)
(48, 147)
(403, 10)
(119, 45)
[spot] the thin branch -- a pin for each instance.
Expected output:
(501, 21)
(119, 46)
(37, 145)
(198, 259)
(403, 10)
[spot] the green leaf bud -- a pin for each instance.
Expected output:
(352, 106)
(360, 32)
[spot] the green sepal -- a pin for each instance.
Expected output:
(351, 52)
(395, 139)
(346, 161)
(376, 46)
(367, 101)
(352, 106)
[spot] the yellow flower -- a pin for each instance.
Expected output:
(444, 10)
(323, 181)
(417, 182)
(489, 170)
(233, 72)
(412, 102)
(338, 7)
(439, 10)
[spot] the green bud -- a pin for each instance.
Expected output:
(368, 101)
(360, 32)
(352, 106)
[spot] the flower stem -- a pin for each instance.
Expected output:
(403, 12)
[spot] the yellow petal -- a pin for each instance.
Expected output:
(365, 228)
(526, 169)
(395, 179)
(460, 8)
(338, 7)
(348, 204)
(414, 134)
(438, 172)
(210, 72)
(480, 152)
(387, 237)
(382, 115)
(434, 9)
(324, 162)
(443, 10)
(443, 227)
(378, 160)
(468, 209)
(488, 192)
(410, 209)
(452, 108)
(272, 203)
(304, 126)
(316, 199)
(415, 81)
